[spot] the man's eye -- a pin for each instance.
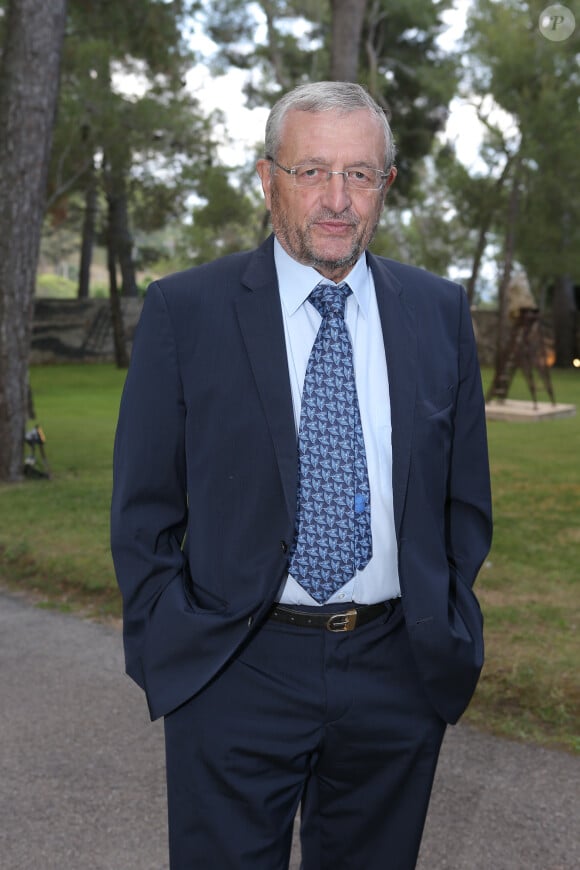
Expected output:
(359, 175)
(311, 172)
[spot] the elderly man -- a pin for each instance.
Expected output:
(301, 505)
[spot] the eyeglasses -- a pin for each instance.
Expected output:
(312, 175)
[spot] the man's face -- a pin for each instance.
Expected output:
(326, 227)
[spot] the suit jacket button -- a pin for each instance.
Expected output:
(284, 546)
(250, 621)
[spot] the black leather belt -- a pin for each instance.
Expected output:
(344, 620)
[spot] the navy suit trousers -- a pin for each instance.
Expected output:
(337, 724)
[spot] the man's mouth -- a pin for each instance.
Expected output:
(334, 226)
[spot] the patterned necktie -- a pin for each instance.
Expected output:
(333, 537)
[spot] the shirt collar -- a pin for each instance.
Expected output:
(297, 281)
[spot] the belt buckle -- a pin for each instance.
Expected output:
(342, 621)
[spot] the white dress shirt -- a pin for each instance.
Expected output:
(379, 580)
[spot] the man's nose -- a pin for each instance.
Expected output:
(335, 193)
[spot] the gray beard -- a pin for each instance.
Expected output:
(299, 247)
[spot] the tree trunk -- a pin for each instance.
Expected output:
(124, 246)
(29, 80)
(347, 22)
(509, 248)
(122, 240)
(88, 236)
(564, 316)
(119, 342)
(274, 46)
(477, 258)
(482, 236)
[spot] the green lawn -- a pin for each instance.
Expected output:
(54, 535)
(54, 544)
(529, 587)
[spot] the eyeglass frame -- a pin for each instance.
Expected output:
(292, 171)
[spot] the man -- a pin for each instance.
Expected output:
(301, 505)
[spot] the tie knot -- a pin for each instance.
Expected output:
(329, 299)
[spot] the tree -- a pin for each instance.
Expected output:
(536, 81)
(427, 229)
(347, 25)
(88, 230)
(410, 76)
(388, 45)
(115, 147)
(29, 78)
(140, 34)
(145, 148)
(229, 219)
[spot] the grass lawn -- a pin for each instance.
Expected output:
(529, 587)
(54, 535)
(54, 544)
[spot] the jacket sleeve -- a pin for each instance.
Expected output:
(468, 521)
(149, 503)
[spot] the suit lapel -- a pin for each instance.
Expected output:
(400, 337)
(260, 318)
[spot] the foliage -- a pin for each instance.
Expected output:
(536, 81)
(407, 71)
(229, 219)
(106, 42)
(292, 48)
(522, 208)
(399, 61)
(434, 228)
(149, 142)
(55, 287)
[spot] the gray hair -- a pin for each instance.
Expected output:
(343, 97)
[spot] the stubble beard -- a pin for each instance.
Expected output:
(299, 243)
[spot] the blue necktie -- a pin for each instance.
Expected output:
(333, 538)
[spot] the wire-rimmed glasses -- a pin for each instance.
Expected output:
(310, 175)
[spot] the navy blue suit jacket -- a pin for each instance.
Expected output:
(205, 473)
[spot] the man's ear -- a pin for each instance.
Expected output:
(391, 178)
(264, 170)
